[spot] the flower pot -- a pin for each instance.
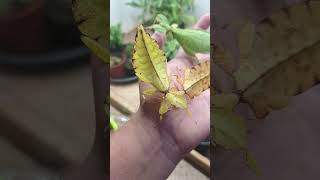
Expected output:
(24, 30)
(118, 71)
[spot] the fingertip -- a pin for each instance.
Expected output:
(203, 22)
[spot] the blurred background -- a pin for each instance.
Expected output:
(47, 115)
(125, 16)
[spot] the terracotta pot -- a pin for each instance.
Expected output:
(24, 30)
(118, 71)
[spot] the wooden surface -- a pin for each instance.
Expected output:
(125, 98)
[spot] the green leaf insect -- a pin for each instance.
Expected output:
(192, 41)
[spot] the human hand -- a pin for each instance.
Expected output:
(187, 131)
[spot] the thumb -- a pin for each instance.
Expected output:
(203, 22)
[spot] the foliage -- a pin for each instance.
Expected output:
(129, 49)
(177, 10)
(116, 38)
(278, 58)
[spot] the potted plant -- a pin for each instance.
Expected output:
(128, 64)
(22, 25)
(117, 50)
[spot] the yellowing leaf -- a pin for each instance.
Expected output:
(149, 61)
(177, 99)
(197, 79)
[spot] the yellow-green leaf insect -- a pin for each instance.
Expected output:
(150, 65)
(149, 62)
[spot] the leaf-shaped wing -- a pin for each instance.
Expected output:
(278, 38)
(197, 79)
(273, 41)
(294, 76)
(149, 61)
(279, 58)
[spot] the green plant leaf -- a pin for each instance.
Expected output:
(133, 4)
(160, 18)
(116, 37)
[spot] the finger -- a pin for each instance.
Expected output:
(202, 57)
(160, 38)
(203, 22)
